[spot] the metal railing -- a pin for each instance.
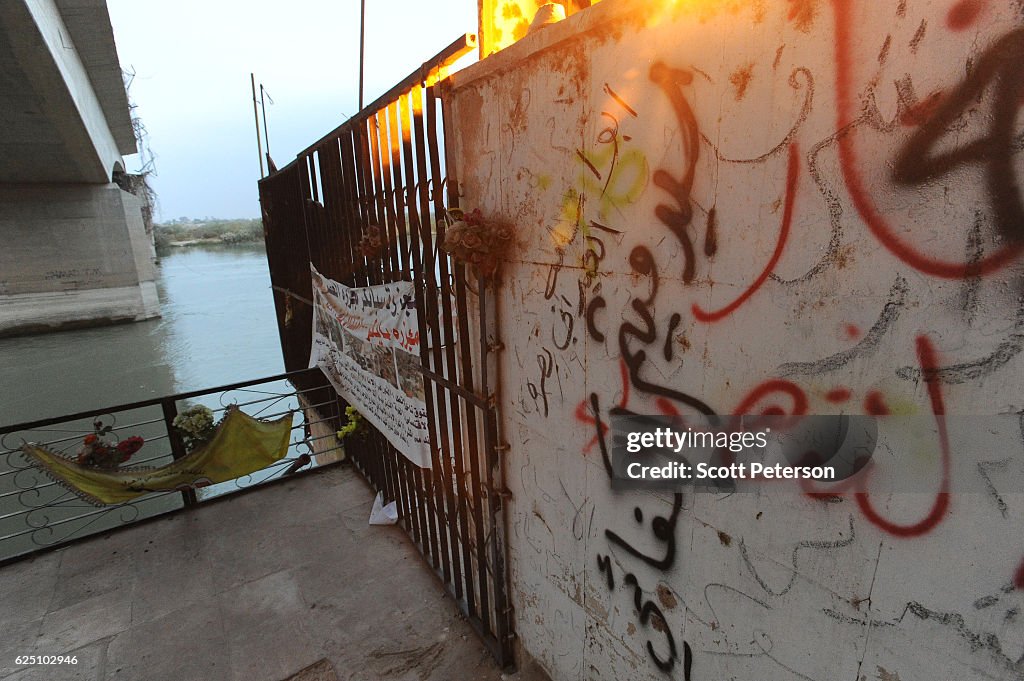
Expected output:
(37, 512)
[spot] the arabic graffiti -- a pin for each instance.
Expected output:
(805, 208)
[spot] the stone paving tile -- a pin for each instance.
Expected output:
(27, 588)
(186, 645)
(85, 622)
(87, 668)
(78, 578)
(174, 570)
(251, 588)
(267, 629)
(18, 638)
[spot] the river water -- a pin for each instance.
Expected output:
(218, 326)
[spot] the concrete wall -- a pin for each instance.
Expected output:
(73, 255)
(736, 206)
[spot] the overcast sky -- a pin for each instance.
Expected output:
(192, 60)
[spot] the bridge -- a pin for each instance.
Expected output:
(74, 250)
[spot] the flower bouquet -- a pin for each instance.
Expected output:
(99, 452)
(196, 426)
(372, 242)
(353, 428)
(476, 241)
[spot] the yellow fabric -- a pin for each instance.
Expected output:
(240, 445)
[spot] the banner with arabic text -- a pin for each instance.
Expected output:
(366, 340)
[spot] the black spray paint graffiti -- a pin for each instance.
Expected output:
(545, 362)
(954, 623)
(918, 163)
(867, 345)
(664, 530)
(972, 370)
(641, 262)
(636, 338)
(679, 217)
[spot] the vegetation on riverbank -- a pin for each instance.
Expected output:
(192, 232)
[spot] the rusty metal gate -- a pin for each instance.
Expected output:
(386, 166)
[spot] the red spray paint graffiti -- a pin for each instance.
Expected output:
(885, 232)
(929, 365)
(963, 14)
(792, 175)
(584, 415)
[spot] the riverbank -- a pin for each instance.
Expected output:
(211, 241)
(185, 232)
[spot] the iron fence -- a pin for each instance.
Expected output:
(386, 167)
(37, 512)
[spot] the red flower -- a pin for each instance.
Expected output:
(129, 446)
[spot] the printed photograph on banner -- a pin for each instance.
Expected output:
(366, 341)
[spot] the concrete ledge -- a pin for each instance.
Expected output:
(42, 312)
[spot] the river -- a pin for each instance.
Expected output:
(217, 326)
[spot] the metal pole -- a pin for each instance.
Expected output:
(266, 133)
(256, 118)
(362, 47)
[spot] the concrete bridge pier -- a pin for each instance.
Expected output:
(73, 255)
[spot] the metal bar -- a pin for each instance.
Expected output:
(178, 451)
(426, 306)
(391, 176)
(393, 191)
(379, 195)
(383, 455)
(465, 393)
(362, 47)
(412, 502)
(472, 441)
(425, 500)
(256, 117)
(371, 215)
(266, 132)
(398, 194)
(353, 207)
(449, 360)
(320, 217)
(340, 225)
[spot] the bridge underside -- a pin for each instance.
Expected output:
(73, 247)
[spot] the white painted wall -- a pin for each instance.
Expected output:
(806, 107)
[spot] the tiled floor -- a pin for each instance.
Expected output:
(253, 588)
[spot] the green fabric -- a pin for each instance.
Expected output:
(241, 445)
